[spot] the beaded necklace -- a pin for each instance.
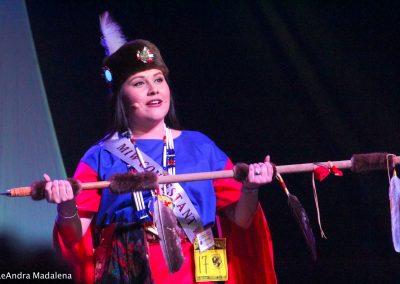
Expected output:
(168, 164)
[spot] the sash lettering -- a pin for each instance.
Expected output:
(184, 209)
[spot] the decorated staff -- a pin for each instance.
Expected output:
(120, 183)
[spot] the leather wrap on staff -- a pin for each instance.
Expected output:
(18, 191)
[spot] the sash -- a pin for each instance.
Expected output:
(183, 208)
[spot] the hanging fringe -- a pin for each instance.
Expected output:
(394, 197)
(317, 207)
(320, 173)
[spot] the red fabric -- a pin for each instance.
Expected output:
(159, 269)
(249, 251)
(87, 200)
(322, 172)
(81, 255)
(227, 190)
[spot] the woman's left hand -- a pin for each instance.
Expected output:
(259, 174)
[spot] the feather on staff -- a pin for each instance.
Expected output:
(301, 217)
(168, 232)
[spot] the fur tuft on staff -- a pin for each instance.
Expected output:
(372, 161)
(113, 38)
(128, 182)
(38, 188)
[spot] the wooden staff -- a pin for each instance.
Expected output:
(358, 163)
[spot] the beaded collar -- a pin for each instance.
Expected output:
(168, 164)
(168, 157)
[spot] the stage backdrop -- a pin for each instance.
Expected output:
(28, 145)
(301, 80)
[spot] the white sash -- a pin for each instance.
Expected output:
(184, 209)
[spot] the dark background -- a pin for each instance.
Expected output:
(301, 80)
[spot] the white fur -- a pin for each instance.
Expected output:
(112, 34)
(394, 196)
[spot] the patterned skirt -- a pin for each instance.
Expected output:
(122, 256)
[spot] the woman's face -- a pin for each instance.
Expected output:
(146, 96)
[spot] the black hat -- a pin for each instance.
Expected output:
(133, 57)
(126, 58)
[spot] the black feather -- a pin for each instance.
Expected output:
(302, 219)
(168, 232)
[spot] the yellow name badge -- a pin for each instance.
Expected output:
(211, 265)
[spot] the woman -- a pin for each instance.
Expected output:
(119, 226)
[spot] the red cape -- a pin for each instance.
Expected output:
(249, 251)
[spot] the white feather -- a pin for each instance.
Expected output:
(394, 196)
(113, 38)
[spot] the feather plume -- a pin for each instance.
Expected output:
(302, 219)
(170, 240)
(394, 196)
(113, 38)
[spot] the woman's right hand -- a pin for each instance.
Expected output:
(58, 191)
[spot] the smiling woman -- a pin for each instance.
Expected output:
(141, 98)
(155, 236)
(147, 97)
